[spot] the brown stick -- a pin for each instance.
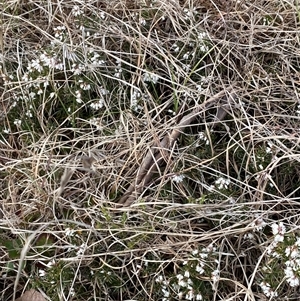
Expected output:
(156, 154)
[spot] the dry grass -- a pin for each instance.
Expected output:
(118, 182)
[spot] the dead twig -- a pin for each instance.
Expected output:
(158, 153)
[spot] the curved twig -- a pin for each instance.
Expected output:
(157, 153)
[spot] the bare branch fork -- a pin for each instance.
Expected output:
(157, 154)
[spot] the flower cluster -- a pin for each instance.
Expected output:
(134, 99)
(279, 231)
(202, 136)
(202, 37)
(258, 224)
(298, 110)
(42, 272)
(44, 85)
(178, 178)
(77, 11)
(186, 284)
(118, 69)
(285, 259)
(190, 13)
(222, 183)
(60, 32)
(267, 290)
(150, 78)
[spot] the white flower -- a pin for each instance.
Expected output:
(178, 178)
(150, 77)
(258, 224)
(189, 295)
(203, 137)
(195, 252)
(59, 32)
(77, 69)
(36, 64)
(248, 236)
(72, 292)
(96, 122)
(118, 74)
(47, 60)
(199, 269)
(292, 251)
(199, 87)
(52, 94)
(289, 272)
(210, 248)
(190, 12)
(292, 279)
(97, 105)
(102, 15)
(103, 91)
(271, 247)
(182, 283)
(279, 231)
(78, 96)
(175, 48)
(135, 96)
(202, 36)
(279, 238)
(298, 110)
(76, 11)
(25, 77)
(81, 249)
(69, 232)
(46, 83)
(222, 183)
(17, 122)
(85, 86)
(165, 292)
(267, 290)
(94, 55)
(215, 275)
(186, 55)
(42, 273)
(204, 48)
(159, 279)
(50, 263)
(187, 274)
(278, 228)
(143, 21)
(59, 66)
(269, 148)
(186, 67)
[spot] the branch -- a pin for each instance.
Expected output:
(158, 153)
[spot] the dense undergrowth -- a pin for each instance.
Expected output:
(89, 88)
